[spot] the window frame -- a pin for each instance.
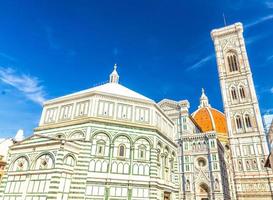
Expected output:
(232, 61)
(233, 93)
(100, 144)
(238, 123)
(124, 151)
(242, 92)
(247, 121)
(142, 148)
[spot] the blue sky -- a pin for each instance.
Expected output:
(163, 49)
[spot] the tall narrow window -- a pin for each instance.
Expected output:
(100, 147)
(188, 185)
(262, 163)
(242, 93)
(247, 121)
(247, 165)
(212, 143)
(186, 146)
(232, 62)
(240, 165)
(141, 152)
(254, 164)
(233, 93)
(229, 63)
(199, 145)
(235, 62)
(238, 122)
(121, 150)
(216, 184)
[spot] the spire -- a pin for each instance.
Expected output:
(114, 77)
(204, 101)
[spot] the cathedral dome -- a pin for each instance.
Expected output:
(210, 119)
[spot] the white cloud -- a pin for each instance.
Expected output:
(269, 57)
(200, 63)
(256, 38)
(6, 56)
(28, 85)
(269, 4)
(258, 21)
(271, 90)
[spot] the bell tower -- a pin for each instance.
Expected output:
(245, 128)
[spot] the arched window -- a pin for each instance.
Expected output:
(188, 185)
(216, 184)
(247, 121)
(114, 167)
(262, 163)
(242, 93)
(238, 122)
(121, 150)
(44, 162)
(21, 164)
(247, 165)
(254, 164)
(77, 136)
(147, 170)
(199, 145)
(233, 93)
(69, 160)
(232, 62)
(100, 145)
(92, 166)
(240, 165)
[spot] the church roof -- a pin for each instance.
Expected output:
(210, 119)
(113, 87)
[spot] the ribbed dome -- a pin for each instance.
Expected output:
(210, 119)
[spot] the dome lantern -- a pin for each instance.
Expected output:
(210, 119)
(204, 100)
(114, 77)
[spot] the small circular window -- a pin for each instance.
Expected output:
(201, 162)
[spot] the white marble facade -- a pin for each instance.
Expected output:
(111, 143)
(107, 142)
(245, 128)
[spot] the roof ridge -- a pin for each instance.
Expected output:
(212, 119)
(109, 88)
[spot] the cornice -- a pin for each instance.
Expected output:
(91, 94)
(227, 30)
